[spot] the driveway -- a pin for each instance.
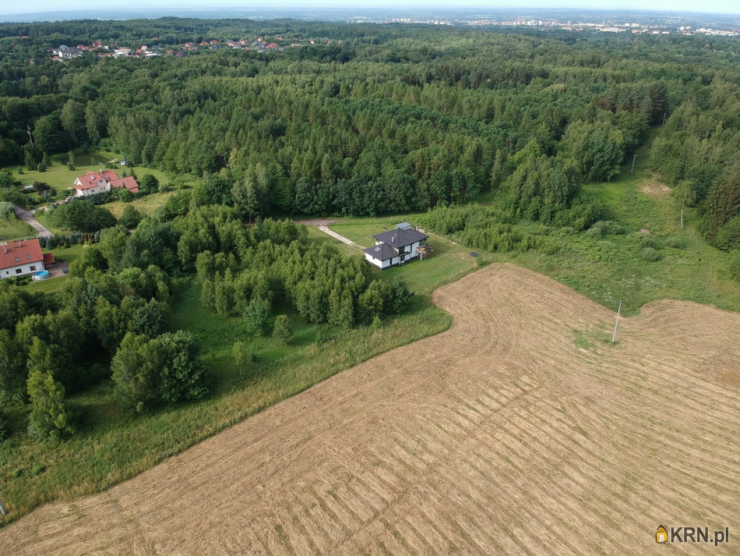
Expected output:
(28, 217)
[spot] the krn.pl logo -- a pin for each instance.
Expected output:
(661, 535)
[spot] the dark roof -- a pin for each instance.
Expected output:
(381, 252)
(400, 238)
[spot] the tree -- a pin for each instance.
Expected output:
(149, 183)
(242, 357)
(130, 217)
(256, 315)
(164, 370)
(71, 160)
(73, 118)
(96, 119)
(245, 197)
(29, 161)
(82, 216)
(282, 330)
(13, 370)
(49, 417)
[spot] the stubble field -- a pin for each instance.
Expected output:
(521, 430)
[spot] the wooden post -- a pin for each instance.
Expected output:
(614, 336)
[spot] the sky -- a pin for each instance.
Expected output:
(711, 6)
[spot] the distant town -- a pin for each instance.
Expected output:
(259, 44)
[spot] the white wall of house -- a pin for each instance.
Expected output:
(377, 262)
(21, 270)
(100, 188)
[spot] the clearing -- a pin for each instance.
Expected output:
(520, 430)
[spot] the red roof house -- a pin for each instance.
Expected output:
(99, 182)
(18, 258)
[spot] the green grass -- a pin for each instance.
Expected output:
(14, 229)
(112, 446)
(146, 204)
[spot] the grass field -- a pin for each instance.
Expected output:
(521, 430)
(14, 228)
(147, 204)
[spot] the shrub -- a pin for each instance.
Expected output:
(7, 210)
(650, 254)
(377, 323)
(647, 241)
(735, 265)
(130, 217)
(281, 330)
(674, 242)
(125, 196)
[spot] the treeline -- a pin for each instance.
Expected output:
(698, 152)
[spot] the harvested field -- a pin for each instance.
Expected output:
(521, 430)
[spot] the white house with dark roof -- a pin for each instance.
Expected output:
(395, 247)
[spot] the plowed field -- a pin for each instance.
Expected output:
(521, 430)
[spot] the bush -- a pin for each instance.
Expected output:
(604, 227)
(647, 241)
(7, 210)
(125, 196)
(735, 265)
(282, 330)
(674, 242)
(650, 254)
(130, 217)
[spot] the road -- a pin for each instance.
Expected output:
(28, 217)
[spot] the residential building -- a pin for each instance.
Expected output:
(20, 258)
(100, 182)
(395, 247)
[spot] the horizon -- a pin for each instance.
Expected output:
(136, 9)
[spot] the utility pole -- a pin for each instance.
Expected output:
(614, 336)
(633, 164)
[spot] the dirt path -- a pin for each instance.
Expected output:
(323, 225)
(335, 235)
(521, 430)
(28, 217)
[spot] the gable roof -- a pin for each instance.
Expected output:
(382, 252)
(400, 238)
(16, 253)
(90, 180)
(127, 182)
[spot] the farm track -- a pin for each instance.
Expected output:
(504, 435)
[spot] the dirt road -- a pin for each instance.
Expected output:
(521, 430)
(28, 217)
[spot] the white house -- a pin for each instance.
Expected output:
(19, 258)
(395, 247)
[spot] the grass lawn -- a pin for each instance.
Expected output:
(14, 228)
